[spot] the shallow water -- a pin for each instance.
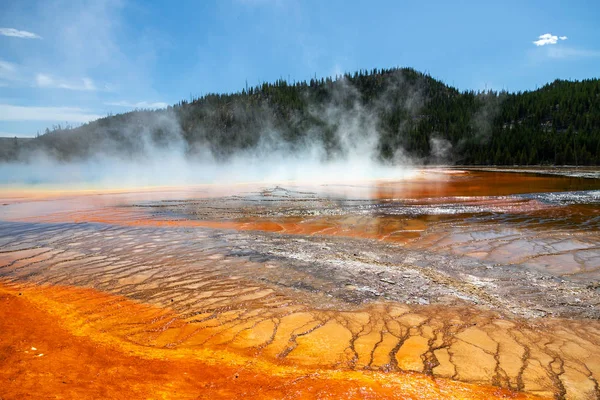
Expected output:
(411, 289)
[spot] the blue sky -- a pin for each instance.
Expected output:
(73, 61)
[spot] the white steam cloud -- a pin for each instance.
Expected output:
(166, 160)
(440, 148)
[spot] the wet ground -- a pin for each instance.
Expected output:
(418, 288)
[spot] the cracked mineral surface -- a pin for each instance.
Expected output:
(448, 284)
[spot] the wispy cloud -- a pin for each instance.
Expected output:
(548, 38)
(139, 104)
(90, 40)
(569, 52)
(8, 71)
(11, 74)
(47, 81)
(12, 32)
(10, 112)
(15, 74)
(6, 66)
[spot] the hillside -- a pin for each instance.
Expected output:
(9, 147)
(400, 113)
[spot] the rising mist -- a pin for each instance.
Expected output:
(335, 135)
(365, 125)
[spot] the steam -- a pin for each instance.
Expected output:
(170, 167)
(440, 149)
(483, 119)
(344, 148)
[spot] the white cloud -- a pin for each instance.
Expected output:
(139, 104)
(47, 81)
(12, 32)
(548, 38)
(64, 114)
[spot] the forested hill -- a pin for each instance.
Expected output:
(399, 111)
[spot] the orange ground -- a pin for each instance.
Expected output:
(55, 342)
(48, 349)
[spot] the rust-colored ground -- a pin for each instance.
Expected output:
(54, 346)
